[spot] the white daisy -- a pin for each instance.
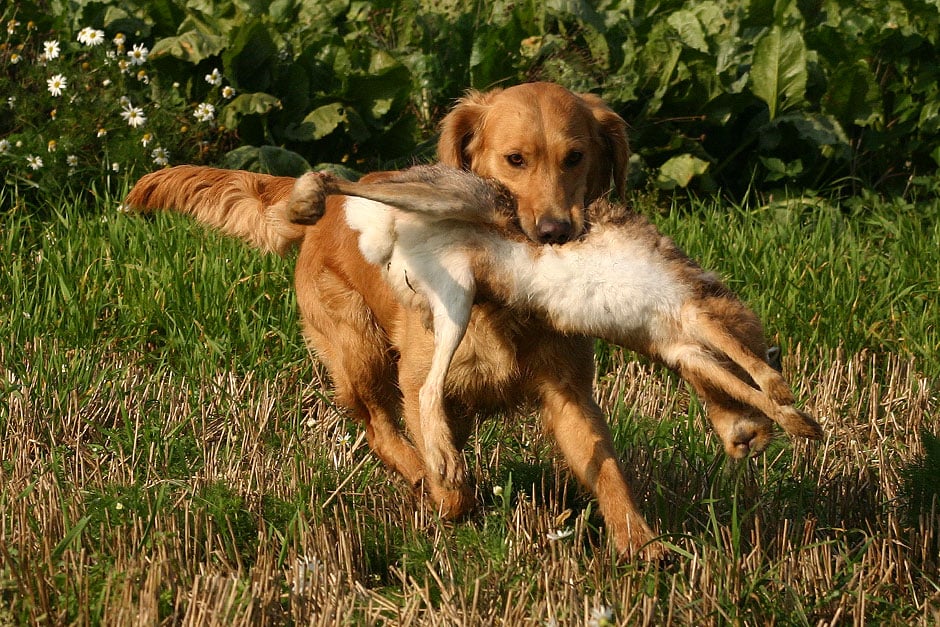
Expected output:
(601, 616)
(559, 534)
(160, 156)
(34, 162)
(134, 116)
(228, 93)
(57, 84)
(4, 145)
(205, 112)
(71, 161)
(90, 36)
(138, 54)
(50, 50)
(215, 78)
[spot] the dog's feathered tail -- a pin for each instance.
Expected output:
(248, 205)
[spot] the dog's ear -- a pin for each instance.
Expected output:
(458, 128)
(613, 135)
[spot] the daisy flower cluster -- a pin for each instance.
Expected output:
(84, 106)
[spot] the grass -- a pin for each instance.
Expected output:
(170, 453)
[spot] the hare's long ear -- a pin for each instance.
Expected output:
(459, 127)
(612, 132)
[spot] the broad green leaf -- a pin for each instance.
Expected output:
(320, 122)
(658, 61)
(382, 61)
(166, 14)
(192, 46)
(494, 53)
(377, 90)
(930, 116)
(778, 170)
(712, 17)
(853, 95)
(818, 129)
(680, 170)
(758, 13)
(356, 126)
(250, 56)
(778, 71)
(583, 11)
(690, 30)
(247, 104)
(266, 159)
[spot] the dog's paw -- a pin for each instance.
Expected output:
(637, 541)
(308, 198)
(454, 504)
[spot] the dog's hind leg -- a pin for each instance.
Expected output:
(347, 339)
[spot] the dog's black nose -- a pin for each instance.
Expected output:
(551, 231)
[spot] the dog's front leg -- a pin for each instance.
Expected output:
(577, 423)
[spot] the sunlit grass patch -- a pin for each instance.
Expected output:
(170, 452)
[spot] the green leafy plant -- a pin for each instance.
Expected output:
(731, 95)
(87, 106)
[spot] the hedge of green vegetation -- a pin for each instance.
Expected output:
(734, 95)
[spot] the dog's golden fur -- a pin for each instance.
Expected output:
(629, 285)
(554, 153)
(560, 158)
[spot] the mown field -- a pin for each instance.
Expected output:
(169, 452)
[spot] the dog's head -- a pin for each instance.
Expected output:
(556, 151)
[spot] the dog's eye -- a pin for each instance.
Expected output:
(573, 158)
(515, 159)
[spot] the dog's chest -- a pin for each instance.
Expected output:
(486, 370)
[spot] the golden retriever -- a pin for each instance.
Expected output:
(556, 152)
(623, 281)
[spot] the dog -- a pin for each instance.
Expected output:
(557, 152)
(454, 238)
(553, 151)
